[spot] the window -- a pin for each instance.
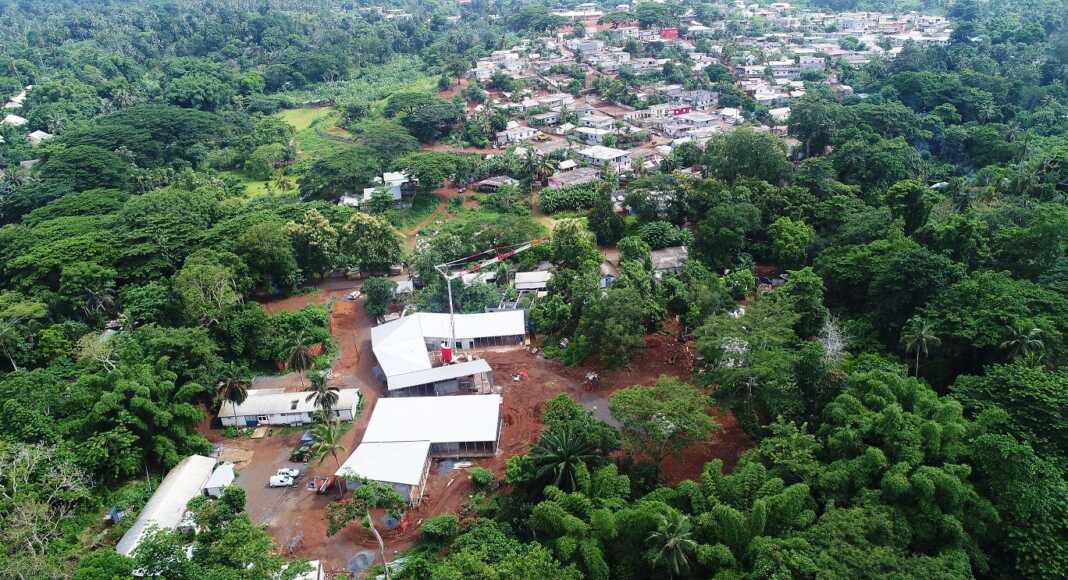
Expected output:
(293, 405)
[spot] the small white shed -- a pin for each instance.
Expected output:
(220, 479)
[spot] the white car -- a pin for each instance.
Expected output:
(354, 295)
(292, 472)
(281, 481)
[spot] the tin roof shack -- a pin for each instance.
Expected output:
(573, 177)
(532, 281)
(166, 508)
(669, 259)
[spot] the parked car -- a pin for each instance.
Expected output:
(289, 471)
(280, 480)
(354, 295)
(302, 452)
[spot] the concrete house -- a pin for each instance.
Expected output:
(599, 155)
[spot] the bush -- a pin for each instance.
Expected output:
(661, 234)
(481, 478)
(440, 530)
(577, 197)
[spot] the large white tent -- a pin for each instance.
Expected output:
(167, 506)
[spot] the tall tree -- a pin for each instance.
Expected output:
(370, 495)
(919, 336)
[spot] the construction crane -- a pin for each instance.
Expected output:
(474, 263)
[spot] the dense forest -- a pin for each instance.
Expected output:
(905, 388)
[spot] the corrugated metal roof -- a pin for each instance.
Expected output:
(388, 461)
(166, 507)
(272, 401)
(436, 374)
(532, 280)
(462, 418)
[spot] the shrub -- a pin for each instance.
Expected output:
(481, 478)
(577, 197)
(440, 530)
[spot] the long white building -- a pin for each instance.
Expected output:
(403, 348)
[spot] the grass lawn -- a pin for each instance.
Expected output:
(303, 118)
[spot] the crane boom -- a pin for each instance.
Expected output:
(500, 254)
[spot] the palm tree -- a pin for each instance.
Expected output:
(558, 453)
(233, 386)
(1024, 343)
(327, 441)
(674, 543)
(919, 336)
(300, 357)
(323, 395)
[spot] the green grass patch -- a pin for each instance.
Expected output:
(304, 117)
(252, 188)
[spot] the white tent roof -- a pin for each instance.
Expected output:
(454, 419)
(400, 346)
(390, 462)
(167, 506)
(436, 374)
(15, 120)
(271, 401)
(221, 477)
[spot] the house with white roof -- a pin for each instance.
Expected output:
(166, 509)
(598, 155)
(277, 407)
(408, 348)
(537, 280)
(396, 184)
(14, 120)
(38, 137)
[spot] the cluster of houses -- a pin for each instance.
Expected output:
(11, 118)
(770, 67)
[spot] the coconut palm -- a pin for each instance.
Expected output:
(233, 386)
(327, 441)
(558, 454)
(919, 336)
(1023, 344)
(300, 357)
(323, 395)
(672, 543)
